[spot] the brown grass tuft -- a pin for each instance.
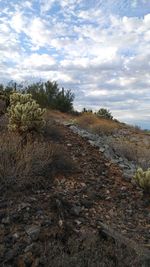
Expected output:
(97, 125)
(33, 165)
(138, 154)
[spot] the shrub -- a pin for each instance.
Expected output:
(103, 129)
(64, 101)
(104, 113)
(131, 151)
(86, 120)
(5, 93)
(142, 178)
(84, 110)
(2, 107)
(49, 95)
(33, 166)
(24, 113)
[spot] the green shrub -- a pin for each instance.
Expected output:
(24, 114)
(104, 113)
(50, 96)
(142, 178)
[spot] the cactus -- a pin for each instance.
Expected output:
(142, 178)
(24, 113)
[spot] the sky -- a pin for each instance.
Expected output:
(100, 49)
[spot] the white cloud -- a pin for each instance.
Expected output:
(17, 22)
(37, 61)
(102, 55)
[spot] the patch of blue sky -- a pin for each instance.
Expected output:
(24, 42)
(127, 52)
(128, 8)
(55, 8)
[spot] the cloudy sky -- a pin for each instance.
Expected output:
(98, 48)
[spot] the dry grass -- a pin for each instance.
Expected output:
(56, 115)
(97, 125)
(2, 107)
(52, 131)
(138, 154)
(33, 165)
(90, 251)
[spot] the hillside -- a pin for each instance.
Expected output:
(69, 205)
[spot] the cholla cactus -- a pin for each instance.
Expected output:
(24, 113)
(143, 179)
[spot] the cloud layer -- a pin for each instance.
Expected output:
(99, 49)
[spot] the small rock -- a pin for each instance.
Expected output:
(23, 206)
(86, 203)
(9, 255)
(92, 143)
(28, 259)
(102, 149)
(47, 222)
(83, 184)
(78, 222)
(69, 144)
(6, 220)
(60, 223)
(29, 248)
(33, 232)
(108, 164)
(75, 210)
(15, 236)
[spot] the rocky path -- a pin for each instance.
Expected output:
(100, 187)
(94, 194)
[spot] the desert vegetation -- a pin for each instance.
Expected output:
(97, 124)
(27, 158)
(57, 181)
(143, 179)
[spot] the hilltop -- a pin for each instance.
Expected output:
(70, 203)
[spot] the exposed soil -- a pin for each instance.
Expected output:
(74, 205)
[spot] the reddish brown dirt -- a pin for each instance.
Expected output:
(102, 191)
(93, 193)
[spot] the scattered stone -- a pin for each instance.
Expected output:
(103, 143)
(24, 206)
(75, 210)
(6, 220)
(10, 254)
(102, 149)
(77, 222)
(33, 232)
(69, 144)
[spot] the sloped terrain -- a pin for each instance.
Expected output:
(91, 216)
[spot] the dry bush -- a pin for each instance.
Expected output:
(3, 123)
(97, 125)
(2, 107)
(91, 251)
(86, 120)
(133, 152)
(52, 131)
(33, 165)
(103, 129)
(56, 115)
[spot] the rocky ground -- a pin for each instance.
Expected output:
(57, 226)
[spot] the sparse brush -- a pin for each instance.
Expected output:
(32, 166)
(24, 113)
(142, 178)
